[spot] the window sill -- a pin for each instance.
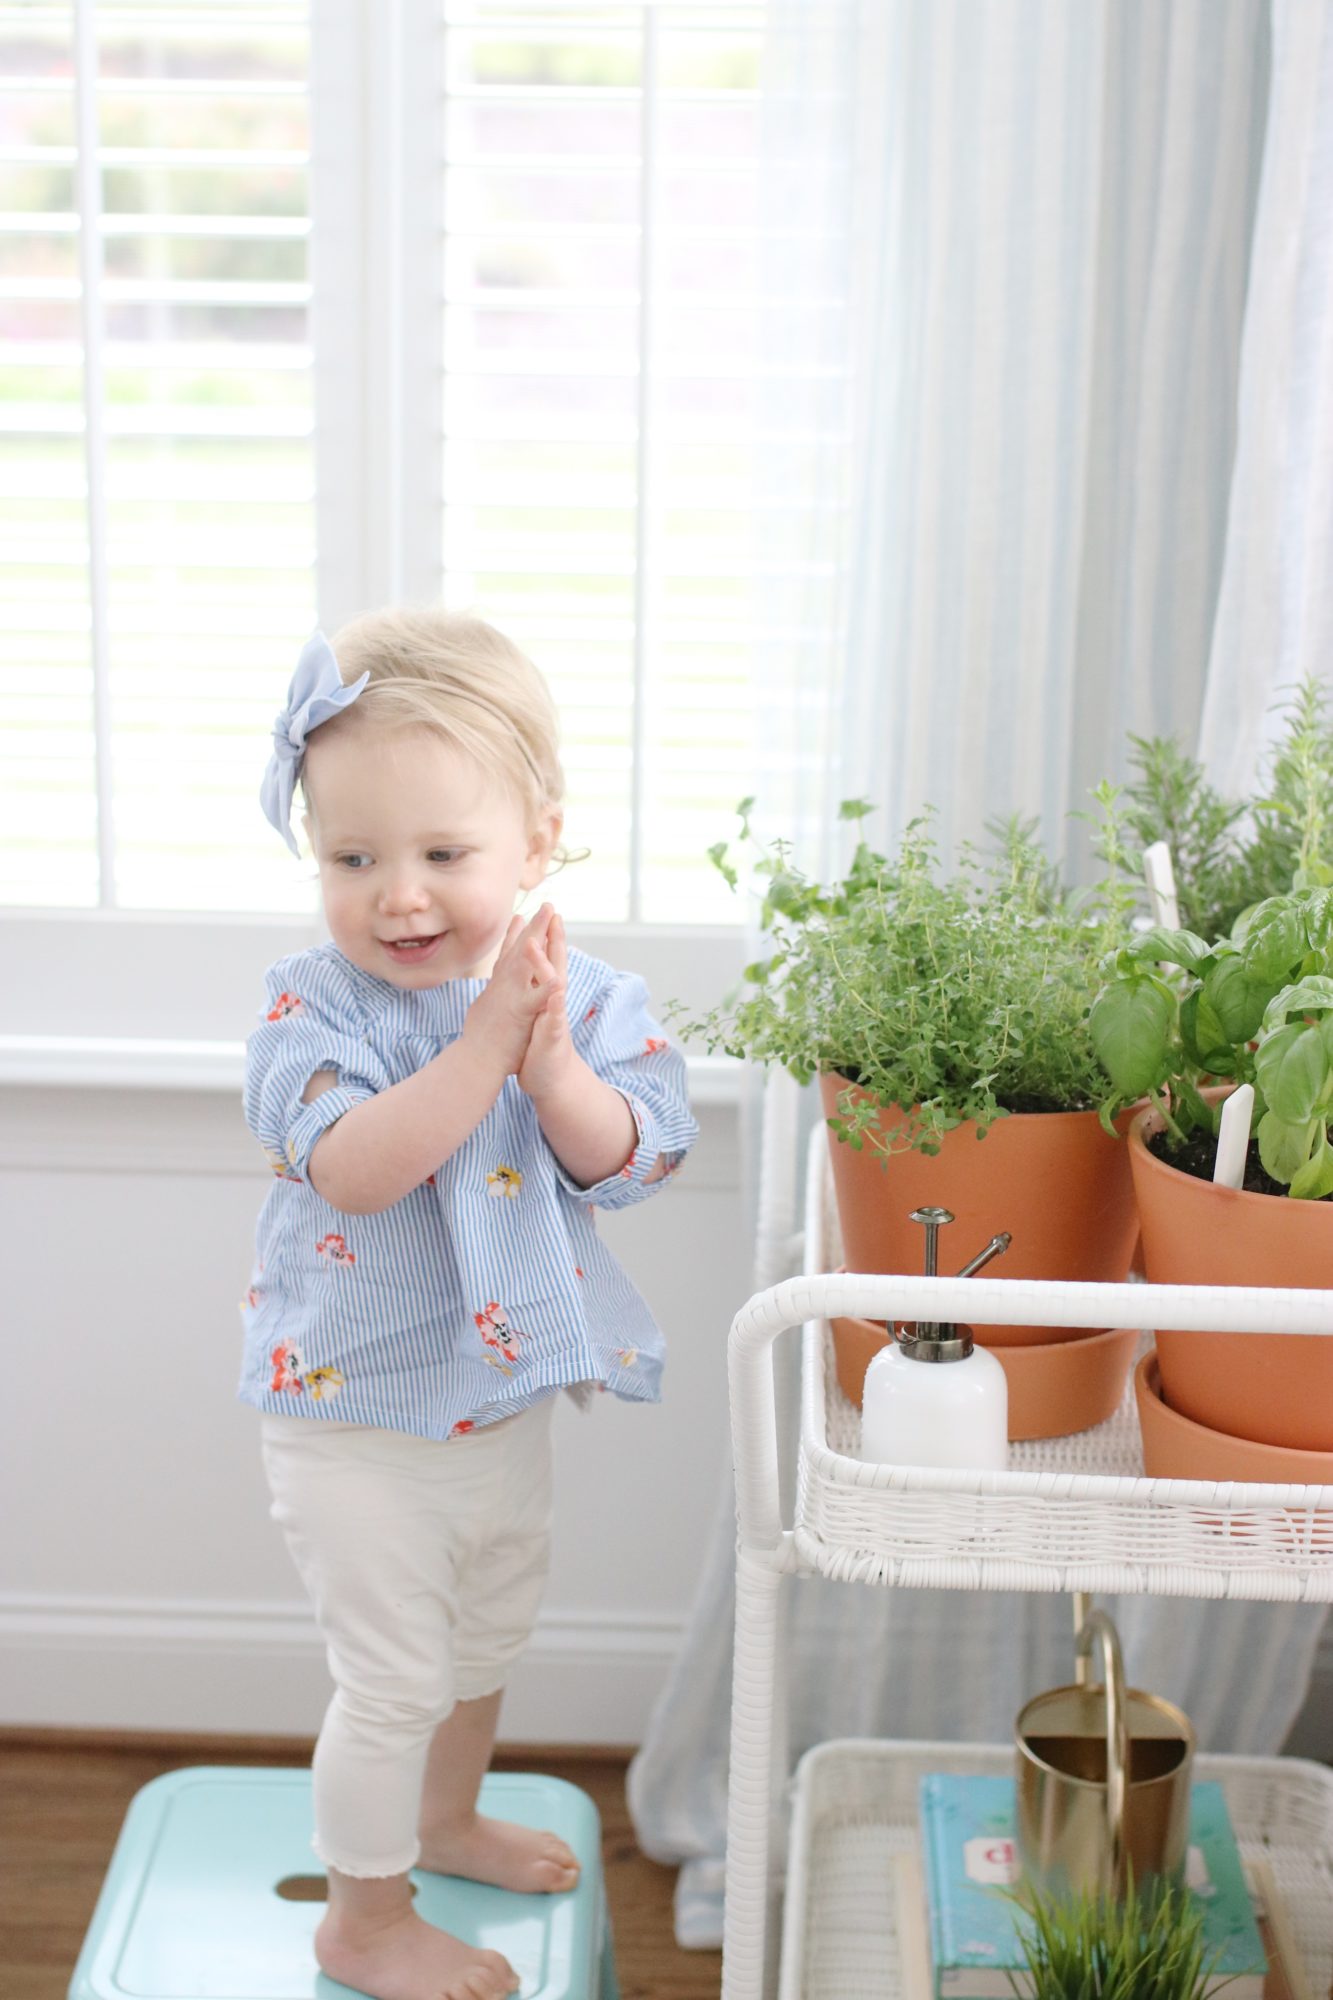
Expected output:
(110, 1062)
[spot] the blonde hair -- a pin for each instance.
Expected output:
(455, 674)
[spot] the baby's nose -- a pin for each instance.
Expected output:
(403, 890)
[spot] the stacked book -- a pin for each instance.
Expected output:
(970, 1949)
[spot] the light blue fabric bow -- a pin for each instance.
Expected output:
(316, 694)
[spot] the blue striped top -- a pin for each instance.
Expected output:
(483, 1289)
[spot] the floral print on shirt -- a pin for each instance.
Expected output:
(499, 1336)
(354, 1292)
(291, 1376)
(286, 1369)
(322, 1382)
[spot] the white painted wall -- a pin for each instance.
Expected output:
(141, 1583)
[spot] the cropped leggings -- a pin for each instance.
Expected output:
(425, 1563)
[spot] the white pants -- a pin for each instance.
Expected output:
(425, 1563)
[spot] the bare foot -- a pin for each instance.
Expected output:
(406, 1958)
(496, 1851)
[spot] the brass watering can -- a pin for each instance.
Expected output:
(1103, 1778)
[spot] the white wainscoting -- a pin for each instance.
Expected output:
(142, 1585)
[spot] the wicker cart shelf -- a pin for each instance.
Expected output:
(1071, 1514)
(855, 1809)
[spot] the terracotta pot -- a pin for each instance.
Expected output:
(1274, 1388)
(1059, 1387)
(1176, 1448)
(1054, 1179)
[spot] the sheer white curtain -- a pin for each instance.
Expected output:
(1009, 256)
(1039, 218)
(1275, 612)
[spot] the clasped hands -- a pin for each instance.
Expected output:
(519, 1022)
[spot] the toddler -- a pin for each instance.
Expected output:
(446, 1094)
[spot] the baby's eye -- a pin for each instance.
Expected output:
(352, 862)
(444, 854)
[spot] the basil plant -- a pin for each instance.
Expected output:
(1177, 1014)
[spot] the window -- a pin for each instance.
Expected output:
(518, 349)
(157, 485)
(600, 350)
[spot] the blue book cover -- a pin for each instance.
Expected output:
(967, 1836)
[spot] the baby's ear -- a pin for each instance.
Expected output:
(541, 845)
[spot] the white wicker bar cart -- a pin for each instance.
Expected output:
(1071, 1514)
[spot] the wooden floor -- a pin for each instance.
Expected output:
(62, 1800)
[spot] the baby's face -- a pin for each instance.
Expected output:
(414, 841)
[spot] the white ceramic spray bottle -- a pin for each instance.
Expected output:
(932, 1396)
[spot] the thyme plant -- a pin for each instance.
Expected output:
(951, 997)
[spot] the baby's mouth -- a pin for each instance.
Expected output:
(410, 948)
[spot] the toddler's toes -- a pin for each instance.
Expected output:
(556, 1865)
(512, 1857)
(492, 1979)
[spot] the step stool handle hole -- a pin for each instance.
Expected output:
(303, 1889)
(309, 1888)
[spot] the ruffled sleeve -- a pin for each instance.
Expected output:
(622, 1043)
(310, 1021)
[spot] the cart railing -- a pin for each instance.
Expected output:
(979, 1302)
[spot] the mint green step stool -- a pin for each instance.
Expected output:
(191, 1909)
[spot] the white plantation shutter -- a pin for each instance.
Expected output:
(157, 484)
(512, 363)
(600, 366)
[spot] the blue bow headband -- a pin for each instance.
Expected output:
(316, 694)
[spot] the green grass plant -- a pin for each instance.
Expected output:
(1094, 1947)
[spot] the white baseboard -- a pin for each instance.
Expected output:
(258, 1669)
